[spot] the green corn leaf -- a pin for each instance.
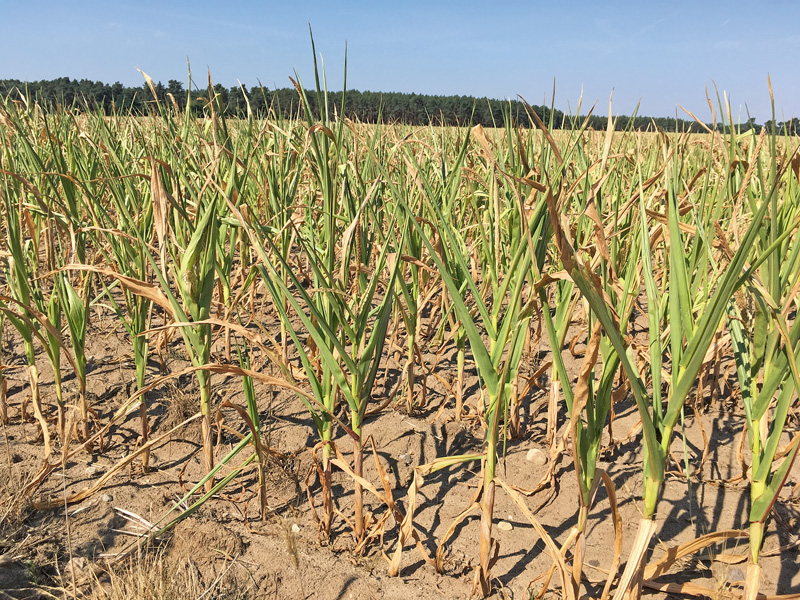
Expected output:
(709, 321)
(762, 505)
(481, 355)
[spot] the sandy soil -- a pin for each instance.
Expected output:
(282, 557)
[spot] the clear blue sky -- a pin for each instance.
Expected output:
(661, 53)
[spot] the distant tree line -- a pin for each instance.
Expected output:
(368, 107)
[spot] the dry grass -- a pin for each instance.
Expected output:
(152, 575)
(181, 403)
(14, 504)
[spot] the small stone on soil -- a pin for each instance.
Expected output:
(406, 458)
(295, 528)
(107, 498)
(505, 526)
(537, 457)
(76, 565)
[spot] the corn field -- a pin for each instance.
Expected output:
(309, 255)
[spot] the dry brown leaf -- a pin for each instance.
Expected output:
(98, 485)
(796, 165)
(441, 549)
(647, 528)
(160, 208)
(675, 553)
(555, 553)
(617, 519)
(479, 134)
(141, 288)
(545, 131)
(149, 81)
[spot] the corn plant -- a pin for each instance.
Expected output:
(349, 349)
(767, 352)
(412, 293)
(281, 176)
(190, 263)
(129, 211)
(591, 398)
(689, 337)
(194, 275)
(504, 317)
(253, 420)
(347, 316)
(594, 195)
(62, 168)
(26, 296)
(417, 175)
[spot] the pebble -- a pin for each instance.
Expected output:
(537, 457)
(76, 565)
(107, 498)
(406, 458)
(93, 470)
(505, 526)
(295, 528)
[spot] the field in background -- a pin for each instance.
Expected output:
(317, 358)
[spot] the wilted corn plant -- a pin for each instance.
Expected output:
(411, 291)
(672, 306)
(590, 400)
(193, 269)
(130, 210)
(599, 198)
(191, 215)
(411, 179)
(60, 169)
(347, 313)
(766, 348)
(551, 161)
(502, 313)
(278, 179)
(43, 212)
(26, 297)
(253, 421)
